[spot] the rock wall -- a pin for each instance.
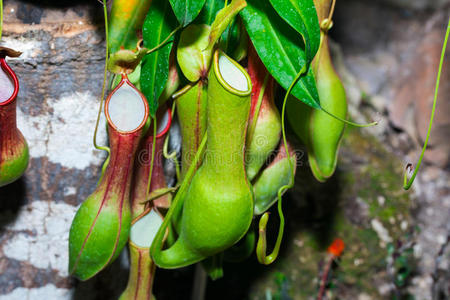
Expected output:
(387, 54)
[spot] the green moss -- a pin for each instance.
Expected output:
(382, 180)
(366, 186)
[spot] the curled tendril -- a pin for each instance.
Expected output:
(330, 15)
(105, 75)
(152, 162)
(158, 241)
(326, 25)
(349, 122)
(104, 166)
(173, 155)
(261, 246)
(262, 240)
(409, 167)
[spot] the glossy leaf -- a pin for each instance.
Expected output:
(280, 48)
(158, 24)
(126, 20)
(223, 18)
(209, 11)
(234, 40)
(186, 10)
(302, 16)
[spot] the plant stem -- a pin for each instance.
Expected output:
(330, 15)
(200, 281)
(152, 160)
(261, 245)
(165, 40)
(158, 241)
(407, 184)
(105, 74)
(323, 280)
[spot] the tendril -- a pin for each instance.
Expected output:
(163, 43)
(152, 160)
(349, 122)
(330, 15)
(105, 74)
(408, 183)
(173, 155)
(327, 23)
(262, 240)
(104, 166)
(157, 244)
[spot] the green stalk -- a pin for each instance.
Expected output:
(408, 183)
(147, 193)
(261, 246)
(105, 75)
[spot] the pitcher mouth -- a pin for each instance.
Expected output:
(167, 119)
(149, 219)
(9, 72)
(231, 75)
(142, 98)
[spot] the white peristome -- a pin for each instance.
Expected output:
(163, 123)
(232, 74)
(126, 108)
(6, 86)
(144, 230)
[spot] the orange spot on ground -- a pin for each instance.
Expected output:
(336, 247)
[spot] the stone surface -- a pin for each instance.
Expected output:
(417, 4)
(60, 72)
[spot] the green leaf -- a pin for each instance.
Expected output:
(186, 10)
(223, 18)
(126, 20)
(230, 38)
(234, 41)
(209, 11)
(302, 16)
(281, 49)
(158, 24)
